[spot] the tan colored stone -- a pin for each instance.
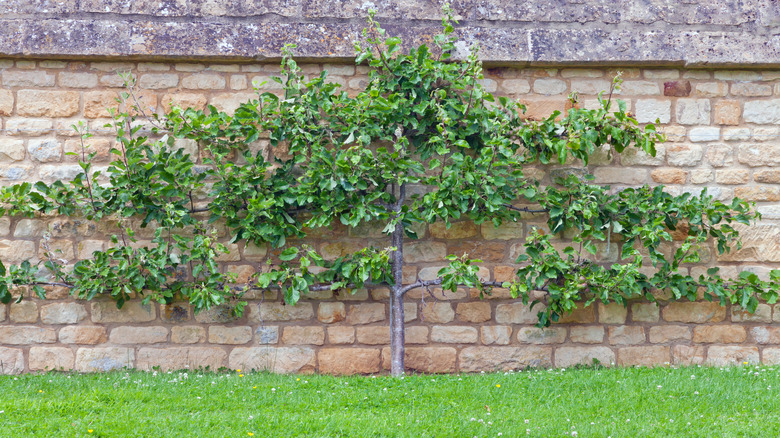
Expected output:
(758, 194)
(457, 230)
(26, 311)
(90, 360)
(701, 176)
(307, 335)
(688, 354)
(349, 361)
(454, 334)
(496, 334)
(764, 335)
(77, 80)
(426, 359)
(693, 111)
(592, 334)
(97, 102)
(156, 81)
(533, 335)
(6, 102)
(669, 176)
(184, 101)
(133, 311)
(770, 356)
(329, 313)
(750, 89)
(489, 251)
(437, 293)
(188, 334)
(517, 313)
(643, 356)
(516, 86)
(661, 334)
(759, 154)
(612, 313)
(473, 312)
(416, 335)
(727, 112)
(767, 176)
(732, 355)
(366, 313)
(181, 358)
(645, 312)
(38, 78)
(653, 111)
(51, 358)
(579, 315)
(712, 89)
(410, 312)
(685, 155)
(474, 359)
(694, 312)
(570, 356)
(230, 335)
(265, 312)
(732, 176)
(436, 312)
(138, 335)
(63, 313)
(763, 313)
(341, 335)
(274, 359)
(626, 335)
(425, 252)
(217, 314)
(373, 335)
(203, 81)
(12, 361)
(505, 231)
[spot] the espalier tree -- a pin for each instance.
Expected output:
(424, 142)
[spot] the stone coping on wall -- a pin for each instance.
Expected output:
(537, 32)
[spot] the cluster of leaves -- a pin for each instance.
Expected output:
(423, 142)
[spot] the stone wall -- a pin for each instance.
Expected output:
(724, 135)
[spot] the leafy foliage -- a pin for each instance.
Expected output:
(423, 142)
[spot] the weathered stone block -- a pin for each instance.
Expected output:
(296, 335)
(12, 361)
(436, 312)
(26, 311)
(40, 103)
(266, 312)
(366, 313)
(533, 335)
(349, 361)
(454, 334)
(724, 334)
(579, 315)
(570, 356)
(694, 312)
(45, 150)
(643, 356)
(133, 311)
(732, 355)
(77, 80)
(727, 112)
(203, 81)
(517, 313)
(626, 335)
(662, 334)
(765, 335)
(230, 335)
(677, 88)
(374, 335)
(51, 358)
(762, 112)
(474, 359)
(496, 334)
(424, 252)
(693, 111)
(90, 360)
(612, 313)
(63, 313)
(274, 359)
(180, 358)
(688, 354)
(138, 335)
(589, 334)
(457, 230)
(158, 81)
(650, 110)
(425, 360)
(416, 335)
(341, 335)
(329, 313)
(11, 149)
(473, 312)
(188, 334)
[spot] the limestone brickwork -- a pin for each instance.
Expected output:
(723, 129)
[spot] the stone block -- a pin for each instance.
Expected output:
(721, 334)
(156, 81)
(644, 356)
(516, 86)
(265, 335)
(517, 313)
(669, 176)
(732, 355)
(640, 88)
(652, 110)
(612, 313)
(341, 335)
(203, 81)
(750, 89)
(11, 149)
(138, 335)
(732, 176)
(588, 334)
(274, 359)
(763, 313)
(626, 335)
(91, 360)
(495, 334)
(133, 311)
(570, 356)
(677, 88)
(70, 79)
(63, 313)
(549, 86)
(425, 252)
(37, 78)
(457, 230)
(41, 103)
(428, 360)
(329, 313)
(755, 155)
(727, 112)
(45, 150)
(704, 134)
(454, 334)
(181, 358)
(12, 361)
(580, 315)
(265, 312)
(661, 334)
(306, 335)
(693, 111)
(505, 231)
(549, 335)
(217, 314)
(26, 311)
(712, 89)
(365, 313)
(6, 102)
(230, 335)
(473, 312)
(475, 359)
(416, 335)
(188, 334)
(765, 335)
(175, 312)
(51, 358)
(767, 176)
(762, 112)
(684, 155)
(437, 312)
(694, 312)
(373, 335)
(349, 361)
(620, 175)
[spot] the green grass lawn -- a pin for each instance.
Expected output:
(592, 402)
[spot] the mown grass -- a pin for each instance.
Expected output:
(591, 402)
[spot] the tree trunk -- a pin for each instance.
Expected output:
(397, 305)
